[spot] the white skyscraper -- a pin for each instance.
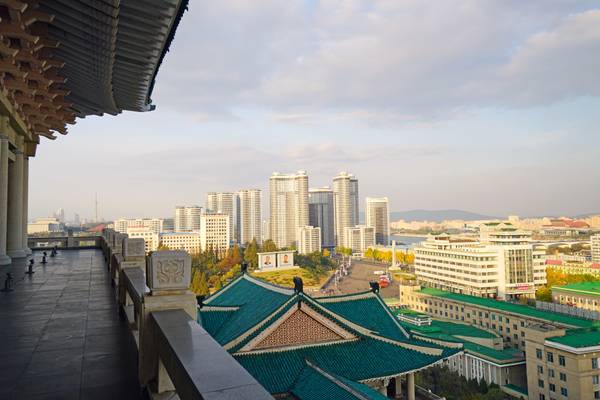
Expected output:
(187, 218)
(321, 213)
(288, 206)
(224, 203)
(249, 216)
(214, 231)
(309, 239)
(345, 198)
(378, 217)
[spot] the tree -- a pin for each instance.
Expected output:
(268, 246)
(326, 253)
(162, 246)
(250, 254)
(200, 284)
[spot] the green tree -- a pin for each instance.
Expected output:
(200, 284)
(269, 245)
(250, 254)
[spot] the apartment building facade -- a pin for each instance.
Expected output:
(359, 238)
(214, 231)
(154, 224)
(249, 225)
(321, 213)
(377, 216)
(309, 239)
(224, 203)
(188, 241)
(345, 197)
(187, 218)
(288, 195)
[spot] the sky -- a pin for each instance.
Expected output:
(480, 105)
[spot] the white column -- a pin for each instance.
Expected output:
(410, 386)
(14, 240)
(4, 259)
(25, 204)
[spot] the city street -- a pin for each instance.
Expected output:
(361, 273)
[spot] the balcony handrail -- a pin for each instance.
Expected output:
(197, 365)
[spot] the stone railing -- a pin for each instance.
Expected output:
(64, 242)
(175, 354)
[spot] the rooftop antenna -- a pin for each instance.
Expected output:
(96, 208)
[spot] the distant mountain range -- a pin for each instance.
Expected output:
(437, 215)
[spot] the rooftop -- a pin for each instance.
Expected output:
(512, 308)
(579, 338)
(589, 288)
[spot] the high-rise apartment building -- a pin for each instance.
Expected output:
(595, 246)
(187, 218)
(345, 198)
(288, 206)
(309, 239)
(359, 238)
(249, 224)
(503, 263)
(214, 231)
(378, 217)
(321, 214)
(153, 224)
(223, 203)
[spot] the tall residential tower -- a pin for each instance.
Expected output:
(223, 203)
(249, 215)
(187, 218)
(321, 214)
(288, 206)
(345, 197)
(378, 217)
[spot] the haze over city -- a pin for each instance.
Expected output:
(493, 110)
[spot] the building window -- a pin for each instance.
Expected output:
(542, 397)
(561, 360)
(540, 369)
(595, 379)
(538, 353)
(550, 357)
(552, 387)
(594, 363)
(551, 373)
(597, 394)
(540, 383)
(563, 377)
(564, 391)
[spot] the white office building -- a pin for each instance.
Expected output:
(345, 198)
(359, 238)
(309, 239)
(288, 206)
(187, 218)
(151, 238)
(249, 224)
(214, 231)
(595, 246)
(224, 203)
(378, 217)
(321, 213)
(154, 224)
(188, 241)
(503, 263)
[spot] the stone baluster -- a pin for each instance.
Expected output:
(168, 276)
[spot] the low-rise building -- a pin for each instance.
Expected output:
(560, 349)
(309, 239)
(503, 263)
(154, 224)
(188, 241)
(45, 225)
(595, 248)
(584, 295)
(359, 238)
(151, 238)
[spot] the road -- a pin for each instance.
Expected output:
(361, 273)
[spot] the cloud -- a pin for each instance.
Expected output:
(392, 61)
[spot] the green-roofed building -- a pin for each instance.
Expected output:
(583, 295)
(296, 346)
(562, 352)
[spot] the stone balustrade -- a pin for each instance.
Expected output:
(173, 349)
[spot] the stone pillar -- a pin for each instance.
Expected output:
(168, 277)
(25, 247)
(398, 384)
(14, 240)
(410, 386)
(4, 259)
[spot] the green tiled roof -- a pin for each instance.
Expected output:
(255, 301)
(579, 338)
(511, 308)
(313, 384)
(589, 288)
(462, 330)
(369, 312)
(517, 389)
(506, 355)
(357, 360)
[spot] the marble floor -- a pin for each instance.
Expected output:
(60, 333)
